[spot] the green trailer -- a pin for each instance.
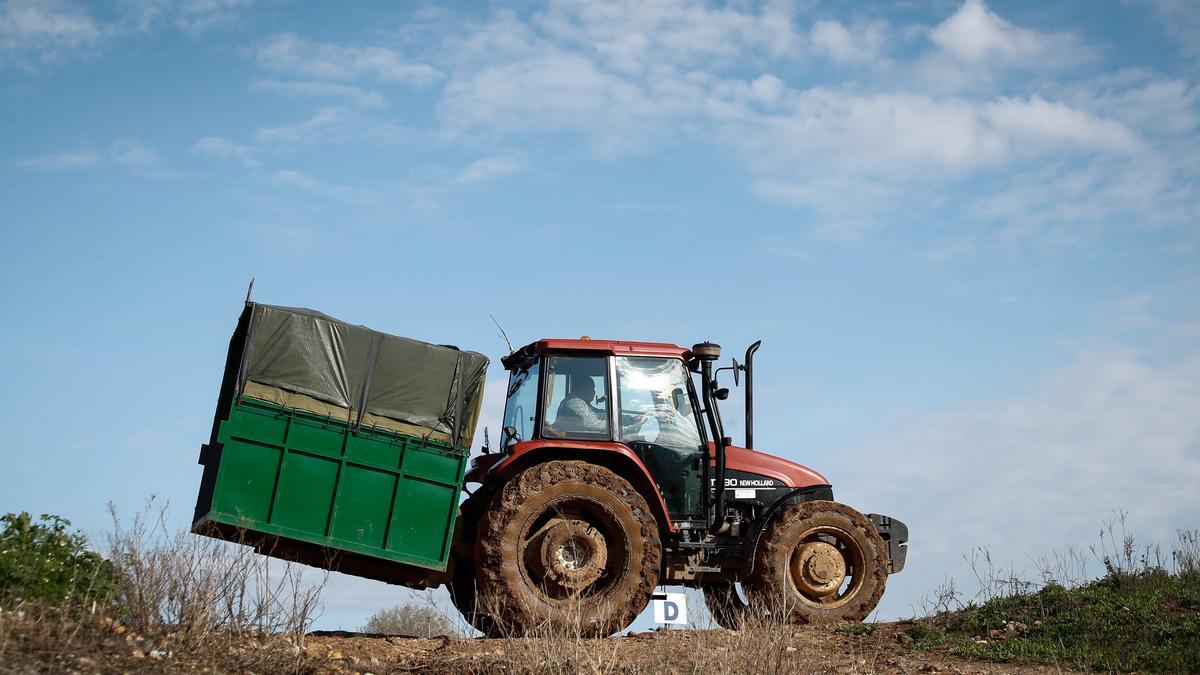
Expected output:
(338, 446)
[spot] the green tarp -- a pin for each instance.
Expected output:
(364, 372)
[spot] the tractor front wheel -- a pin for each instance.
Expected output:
(568, 547)
(819, 561)
(727, 608)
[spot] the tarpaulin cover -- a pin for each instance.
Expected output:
(367, 373)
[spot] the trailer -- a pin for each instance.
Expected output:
(339, 446)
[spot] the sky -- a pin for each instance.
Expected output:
(966, 233)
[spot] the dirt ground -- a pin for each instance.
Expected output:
(806, 649)
(31, 644)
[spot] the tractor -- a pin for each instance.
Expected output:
(614, 475)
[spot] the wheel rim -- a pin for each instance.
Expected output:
(572, 550)
(825, 567)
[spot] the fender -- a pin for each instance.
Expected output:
(804, 494)
(787, 472)
(613, 456)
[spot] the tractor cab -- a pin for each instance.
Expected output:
(611, 401)
(600, 394)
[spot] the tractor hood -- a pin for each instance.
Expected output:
(751, 461)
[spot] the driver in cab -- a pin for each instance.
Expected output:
(576, 412)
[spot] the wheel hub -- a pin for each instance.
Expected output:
(818, 568)
(573, 554)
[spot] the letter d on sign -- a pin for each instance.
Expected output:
(670, 608)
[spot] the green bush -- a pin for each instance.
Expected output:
(1141, 620)
(46, 561)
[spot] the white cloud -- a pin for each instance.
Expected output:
(315, 128)
(1178, 18)
(323, 188)
(226, 150)
(1112, 429)
(290, 53)
(39, 32)
(1037, 121)
(554, 91)
(316, 89)
(63, 161)
(127, 152)
(633, 35)
(190, 16)
(131, 152)
(980, 36)
(853, 152)
(488, 169)
(894, 133)
(836, 42)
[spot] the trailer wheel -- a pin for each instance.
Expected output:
(725, 605)
(819, 561)
(568, 547)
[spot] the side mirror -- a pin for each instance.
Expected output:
(737, 367)
(721, 394)
(511, 435)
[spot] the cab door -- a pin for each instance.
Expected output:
(657, 420)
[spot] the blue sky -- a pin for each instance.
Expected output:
(966, 233)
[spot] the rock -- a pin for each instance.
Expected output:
(119, 629)
(85, 661)
(138, 654)
(790, 649)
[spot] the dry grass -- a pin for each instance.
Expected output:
(182, 601)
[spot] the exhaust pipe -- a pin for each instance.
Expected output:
(749, 366)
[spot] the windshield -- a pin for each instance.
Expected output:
(520, 408)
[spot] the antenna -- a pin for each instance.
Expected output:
(503, 334)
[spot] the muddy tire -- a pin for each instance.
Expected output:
(464, 595)
(724, 604)
(819, 561)
(567, 548)
(463, 586)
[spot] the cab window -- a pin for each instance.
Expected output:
(576, 398)
(520, 407)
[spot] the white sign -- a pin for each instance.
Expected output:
(670, 608)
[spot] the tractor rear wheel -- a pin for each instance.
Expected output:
(569, 547)
(727, 608)
(819, 561)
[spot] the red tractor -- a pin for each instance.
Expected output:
(614, 475)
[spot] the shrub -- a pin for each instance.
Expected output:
(416, 620)
(46, 561)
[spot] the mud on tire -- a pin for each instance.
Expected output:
(819, 561)
(567, 547)
(463, 586)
